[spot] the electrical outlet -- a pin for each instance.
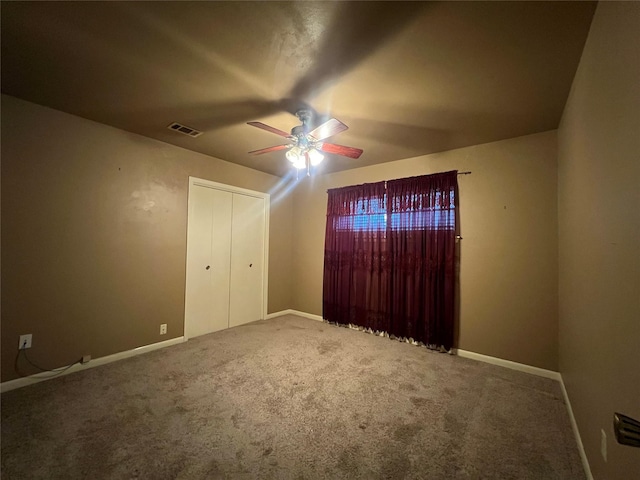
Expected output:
(25, 341)
(163, 329)
(603, 445)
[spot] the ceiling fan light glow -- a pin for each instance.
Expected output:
(300, 162)
(315, 157)
(293, 154)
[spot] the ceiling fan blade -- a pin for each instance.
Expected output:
(275, 148)
(328, 129)
(350, 152)
(212, 115)
(358, 29)
(269, 129)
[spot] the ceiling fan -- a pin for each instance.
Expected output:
(305, 145)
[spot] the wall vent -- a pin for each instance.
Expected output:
(192, 132)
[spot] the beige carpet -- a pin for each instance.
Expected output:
(290, 398)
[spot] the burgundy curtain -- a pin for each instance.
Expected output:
(356, 264)
(390, 257)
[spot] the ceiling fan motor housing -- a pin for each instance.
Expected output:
(300, 134)
(298, 131)
(304, 115)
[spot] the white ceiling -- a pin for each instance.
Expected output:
(408, 78)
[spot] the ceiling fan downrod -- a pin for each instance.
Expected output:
(304, 115)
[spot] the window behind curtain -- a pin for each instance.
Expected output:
(384, 214)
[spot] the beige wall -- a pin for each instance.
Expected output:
(94, 235)
(508, 277)
(599, 236)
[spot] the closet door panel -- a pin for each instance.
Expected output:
(247, 260)
(208, 261)
(220, 260)
(198, 301)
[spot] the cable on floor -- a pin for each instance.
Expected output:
(55, 371)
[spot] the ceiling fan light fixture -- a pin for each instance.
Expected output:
(300, 162)
(315, 157)
(293, 154)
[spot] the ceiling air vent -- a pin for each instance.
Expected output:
(192, 132)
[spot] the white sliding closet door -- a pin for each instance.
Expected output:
(226, 257)
(247, 260)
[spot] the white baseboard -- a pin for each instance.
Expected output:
(278, 314)
(41, 377)
(576, 432)
(294, 312)
(541, 372)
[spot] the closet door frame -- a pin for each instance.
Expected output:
(200, 182)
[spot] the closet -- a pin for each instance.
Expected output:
(227, 236)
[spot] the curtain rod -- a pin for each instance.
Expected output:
(385, 181)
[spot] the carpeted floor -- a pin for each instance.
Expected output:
(290, 398)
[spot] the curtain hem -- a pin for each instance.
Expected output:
(381, 333)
